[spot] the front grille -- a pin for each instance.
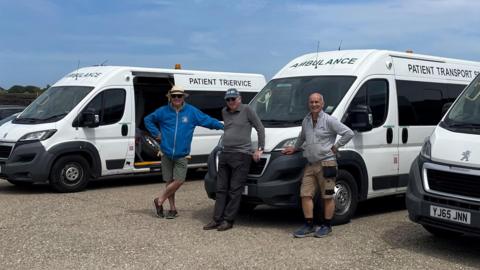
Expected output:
(256, 168)
(5, 151)
(454, 183)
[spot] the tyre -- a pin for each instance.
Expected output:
(346, 197)
(70, 174)
(20, 183)
(150, 148)
(441, 232)
(246, 208)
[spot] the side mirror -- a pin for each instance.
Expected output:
(88, 118)
(360, 118)
(445, 107)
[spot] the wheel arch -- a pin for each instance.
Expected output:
(353, 163)
(84, 149)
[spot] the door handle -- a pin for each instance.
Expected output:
(404, 135)
(389, 135)
(124, 129)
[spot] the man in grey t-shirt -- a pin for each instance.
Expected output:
(235, 158)
(317, 138)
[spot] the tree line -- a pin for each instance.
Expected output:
(20, 95)
(24, 89)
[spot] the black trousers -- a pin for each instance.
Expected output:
(232, 174)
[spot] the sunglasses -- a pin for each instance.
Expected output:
(177, 96)
(230, 99)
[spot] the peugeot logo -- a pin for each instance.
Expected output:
(465, 155)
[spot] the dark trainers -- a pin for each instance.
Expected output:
(158, 208)
(304, 231)
(171, 214)
(225, 225)
(212, 225)
(323, 231)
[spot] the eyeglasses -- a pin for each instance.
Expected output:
(177, 96)
(230, 99)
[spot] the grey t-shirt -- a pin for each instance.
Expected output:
(238, 128)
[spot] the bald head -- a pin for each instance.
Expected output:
(315, 103)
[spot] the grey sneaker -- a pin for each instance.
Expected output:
(323, 231)
(171, 214)
(304, 231)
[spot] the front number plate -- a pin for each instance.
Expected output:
(450, 214)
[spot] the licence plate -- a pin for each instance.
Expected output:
(450, 214)
(245, 190)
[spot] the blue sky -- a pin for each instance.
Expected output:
(42, 40)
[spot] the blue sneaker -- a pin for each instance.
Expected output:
(323, 231)
(304, 231)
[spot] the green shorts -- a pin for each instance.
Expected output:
(174, 169)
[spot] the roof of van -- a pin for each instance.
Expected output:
(356, 62)
(120, 75)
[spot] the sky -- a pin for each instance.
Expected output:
(43, 40)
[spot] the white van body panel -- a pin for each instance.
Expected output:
(448, 147)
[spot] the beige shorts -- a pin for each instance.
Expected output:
(313, 179)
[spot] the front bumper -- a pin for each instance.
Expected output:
(28, 162)
(278, 185)
(419, 203)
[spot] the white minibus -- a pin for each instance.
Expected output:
(90, 123)
(444, 189)
(392, 100)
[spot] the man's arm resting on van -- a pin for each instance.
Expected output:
(206, 121)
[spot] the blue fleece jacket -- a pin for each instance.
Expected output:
(176, 128)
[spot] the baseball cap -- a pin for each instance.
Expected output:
(232, 93)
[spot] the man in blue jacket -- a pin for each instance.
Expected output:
(173, 126)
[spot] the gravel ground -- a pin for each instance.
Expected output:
(111, 225)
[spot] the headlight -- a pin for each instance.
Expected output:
(285, 143)
(426, 150)
(38, 135)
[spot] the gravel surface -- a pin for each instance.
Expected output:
(111, 225)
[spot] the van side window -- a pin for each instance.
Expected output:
(109, 105)
(374, 93)
(420, 103)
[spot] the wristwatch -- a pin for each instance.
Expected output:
(260, 148)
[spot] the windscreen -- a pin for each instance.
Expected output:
(285, 101)
(465, 113)
(53, 104)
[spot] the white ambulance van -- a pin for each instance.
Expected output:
(393, 100)
(90, 123)
(444, 188)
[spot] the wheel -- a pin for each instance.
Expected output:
(150, 148)
(69, 174)
(20, 183)
(441, 232)
(346, 197)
